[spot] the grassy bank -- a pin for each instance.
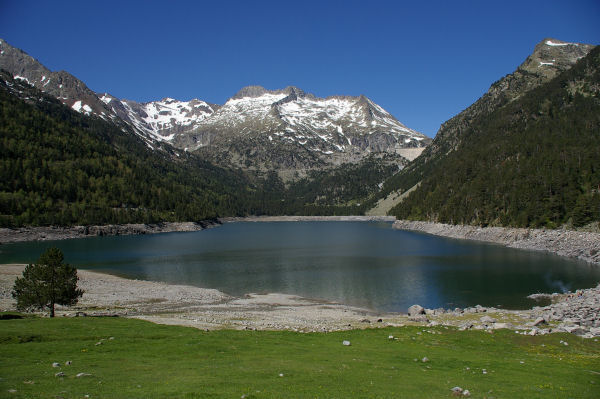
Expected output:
(135, 359)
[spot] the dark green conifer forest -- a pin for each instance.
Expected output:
(534, 162)
(58, 167)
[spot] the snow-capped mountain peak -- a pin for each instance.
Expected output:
(163, 119)
(255, 127)
(338, 127)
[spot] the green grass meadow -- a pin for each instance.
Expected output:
(138, 359)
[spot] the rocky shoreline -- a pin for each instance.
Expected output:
(568, 243)
(63, 233)
(576, 313)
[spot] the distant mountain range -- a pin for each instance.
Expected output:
(525, 154)
(255, 129)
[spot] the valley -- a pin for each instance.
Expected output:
(299, 199)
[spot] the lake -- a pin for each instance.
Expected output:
(366, 264)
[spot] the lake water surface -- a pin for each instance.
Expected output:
(365, 264)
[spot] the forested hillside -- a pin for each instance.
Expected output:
(532, 162)
(59, 167)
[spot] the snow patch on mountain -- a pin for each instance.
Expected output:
(82, 108)
(555, 44)
(23, 78)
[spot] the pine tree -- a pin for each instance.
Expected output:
(47, 283)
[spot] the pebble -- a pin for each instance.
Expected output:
(59, 374)
(346, 343)
(55, 364)
(83, 375)
(425, 359)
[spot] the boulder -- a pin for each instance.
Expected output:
(416, 310)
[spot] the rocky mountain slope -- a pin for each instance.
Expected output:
(292, 129)
(162, 120)
(550, 57)
(283, 130)
(530, 161)
(61, 85)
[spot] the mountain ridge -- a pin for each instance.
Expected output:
(257, 128)
(532, 161)
(531, 73)
(539, 67)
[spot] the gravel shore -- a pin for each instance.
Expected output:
(572, 244)
(198, 307)
(107, 295)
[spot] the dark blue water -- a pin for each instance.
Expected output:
(357, 263)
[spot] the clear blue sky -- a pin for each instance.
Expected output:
(422, 61)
